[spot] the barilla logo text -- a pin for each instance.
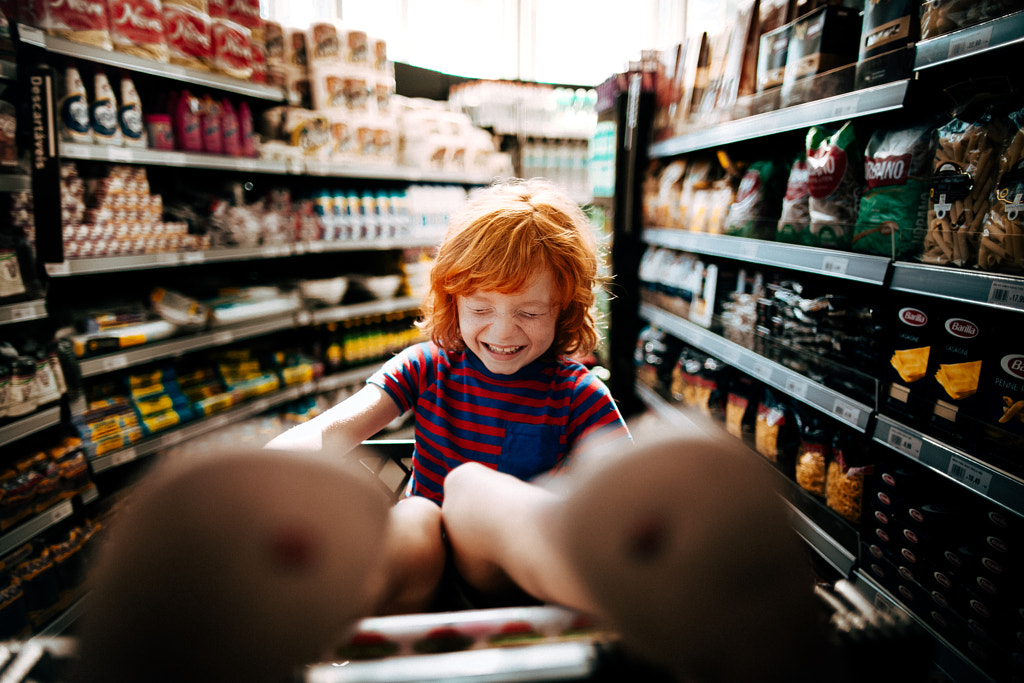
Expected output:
(914, 317)
(958, 327)
(1013, 364)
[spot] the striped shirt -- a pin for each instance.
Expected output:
(524, 424)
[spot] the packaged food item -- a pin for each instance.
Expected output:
(211, 125)
(835, 175)
(954, 369)
(740, 63)
(944, 16)
(889, 26)
(1002, 239)
(912, 323)
(103, 111)
(137, 28)
(845, 478)
(777, 432)
(231, 48)
(231, 130)
(795, 220)
(82, 22)
(756, 209)
(893, 209)
(771, 58)
(820, 44)
(246, 134)
(159, 131)
(187, 114)
(963, 178)
(74, 108)
(812, 457)
(188, 34)
(741, 407)
(129, 115)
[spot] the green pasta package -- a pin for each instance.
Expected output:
(755, 211)
(893, 213)
(834, 179)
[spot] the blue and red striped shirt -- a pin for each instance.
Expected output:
(524, 424)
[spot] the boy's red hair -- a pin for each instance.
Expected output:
(498, 241)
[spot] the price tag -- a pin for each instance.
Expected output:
(836, 265)
(218, 422)
(175, 158)
(969, 474)
(166, 258)
(272, 250)
(303, 318)
(246, 164)
(846, 411)
(117, 362)
(62, 268)
(307, 388)
(972, 42)
(260, 406)
(31, 34)
(904, 442)
(17, 313)
(60, 512)
(762, 371)
(120, 153)
(1004, 293)
(193, 256)
(845, 106)
(796, 388)
(748, 251)
(122, 457)
(221, 338)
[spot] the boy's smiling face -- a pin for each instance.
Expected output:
(509, 331)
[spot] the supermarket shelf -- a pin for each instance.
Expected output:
(992, 483)
(946, 657)
(63, 621)
(115, 264)
(192, 430)
(817, 538)
(15, 182)
(8, 70)
(175, 347)
(970, 41)
(865, 102)
(34, 36)
(999, 291)
(32, 527)
(409, 173)
(157, 157)
(339, 380)
(375, 244)
(846, 410)
(26, 426)
(379, 307)
(847, 265)
(22, 311)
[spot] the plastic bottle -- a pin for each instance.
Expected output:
(129, 115)
(187, 131)
(74, 108)
(103, 111)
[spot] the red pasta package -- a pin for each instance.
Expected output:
(189, 41)
(137, 28)
(84, 21)
(232, 48)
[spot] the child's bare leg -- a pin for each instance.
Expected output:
(503, 532)
(415, 555)
(685, 545)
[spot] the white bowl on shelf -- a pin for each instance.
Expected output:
(326, 292)
(381, 286)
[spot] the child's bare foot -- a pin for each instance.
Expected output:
(233, 567)
(687, 549)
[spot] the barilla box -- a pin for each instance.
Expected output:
(1000, 400)
(959, 350)
(910, 322)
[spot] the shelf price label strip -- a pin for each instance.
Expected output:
(988, 481)
(847, 410)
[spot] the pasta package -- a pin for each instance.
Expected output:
(893, 210)
(137, 28)
(795, 221)
(188, 33)
(84, 22)
(835, 175)
(1002, 239)
(963, 178)
(232, 48)
(958, 355)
